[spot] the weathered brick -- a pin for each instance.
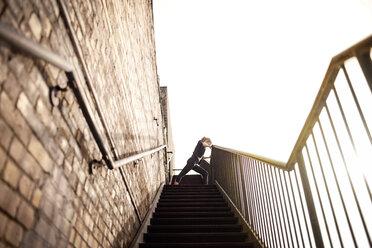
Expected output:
(42, 228)
(14, 233)
(6, 135)
(33, 240)
(14, 118)
(40, 84)
(3, 223)
(12, 174)
(26, 161)
(46, 25)
(16, 65)
(40, 154)
(36, 198)
(29, 88)
(28, 112)
(26, 215)
(26, 187)
(12, 88)
(9, 200)
(3, 158)
(35, 26)
(46, 116)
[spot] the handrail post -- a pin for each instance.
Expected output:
(310, 202)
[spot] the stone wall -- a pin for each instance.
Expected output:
(168, 126)
(48, 198)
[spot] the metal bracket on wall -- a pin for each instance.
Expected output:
(94, 165)
(55, 95)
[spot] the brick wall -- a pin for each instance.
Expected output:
(48, 198)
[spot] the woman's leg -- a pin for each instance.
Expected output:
(203, 172)
(190, 163)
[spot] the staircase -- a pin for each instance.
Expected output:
(194, 215)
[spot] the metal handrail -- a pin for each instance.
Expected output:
(35, 50)
(306, 201)
(358, 50)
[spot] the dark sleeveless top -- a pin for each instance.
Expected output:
(199, 149)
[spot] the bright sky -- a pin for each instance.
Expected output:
(246, 73)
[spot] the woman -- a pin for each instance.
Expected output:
(193, 161)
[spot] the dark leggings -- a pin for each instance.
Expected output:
(192, 164)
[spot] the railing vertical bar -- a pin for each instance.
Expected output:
(344, 118)
(276, 171)
(357, 103)
(238, 179)
(303, 209)
(268, 216)
(248, 191)
(281, 174)
(350, 181)
(366, 65)
(291, 210)
(271, 203)
(327, 189)
(276, 205)
(337, 183)
(319, 198)
(245, 213)
(261, 205)
(255, 200)
(295, 205)
(239, 185)
(309, 199)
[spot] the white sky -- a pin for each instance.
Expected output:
(246, 73)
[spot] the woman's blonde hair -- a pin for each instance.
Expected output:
(206, 139)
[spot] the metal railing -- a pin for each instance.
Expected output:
(321, 197)
(75, 76)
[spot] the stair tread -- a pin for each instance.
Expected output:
(209, 234)
(215, 213)
(191, 209)
(195, 228)
(201, 245)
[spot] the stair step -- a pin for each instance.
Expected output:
(194, 228)
(194, 220)
(192, 204)
(193, 214)
(199, 245)
(192, 209)
(192, 200)
(196, 237)
(190, 186)
(190, 194)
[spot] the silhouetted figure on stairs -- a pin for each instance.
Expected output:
(193, 161)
